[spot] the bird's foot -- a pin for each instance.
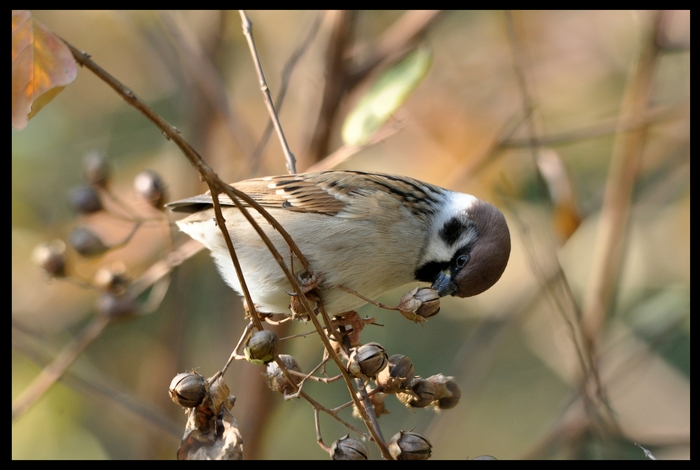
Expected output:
(309, 289)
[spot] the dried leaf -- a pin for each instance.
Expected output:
(42, 66)
(212, 432)
(560, 183)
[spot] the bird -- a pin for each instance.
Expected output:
(364, 231)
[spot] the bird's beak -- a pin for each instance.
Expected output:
(444, 285)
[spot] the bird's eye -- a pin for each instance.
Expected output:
(462, 260)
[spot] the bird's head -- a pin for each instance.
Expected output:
(468, 250)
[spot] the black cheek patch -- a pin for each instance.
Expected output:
(452, 230)
(429, 271)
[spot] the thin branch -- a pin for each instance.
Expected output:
(369, 409)
(342, 25)
(315, 378)
(487, 157)
(610, 249)
(570, 425)
(397, 41)
(162, 268)
(367, 299)
(248, 33)
(332, 414)
(221, 223)
(589, 368)
(319, 437)
(93, 381)
(200, 68)
(51, 373)
(624, 168)
(305, 377)
(345, 152)
(505, 136)
(527, 105)
(617, 124)
(234, 353)
(129, 236)
(285, 78)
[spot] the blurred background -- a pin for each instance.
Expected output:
(574, 123)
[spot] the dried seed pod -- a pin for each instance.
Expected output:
(121, 306)
(377, 401)
(447, 403)
(113, 279)
(398, 375)
(96, 169)
(211, 432)
(262, 347)
(407, 445)
(447, 392)
(150, 186)
(420, 395)
(86, 242)
(188, 389)
(420, 304)
(367, 361)
(348, 448)
(438, 381)
(350, 325)
(309, 289)
(51, 257)
(276, 379)
(85, 200)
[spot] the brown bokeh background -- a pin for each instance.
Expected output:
(512, 349)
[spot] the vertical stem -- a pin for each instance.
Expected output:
(248, 33)
(615, 213)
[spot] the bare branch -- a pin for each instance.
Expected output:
(248, 33)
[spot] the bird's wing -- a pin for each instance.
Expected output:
(328, 193)
(309, 192)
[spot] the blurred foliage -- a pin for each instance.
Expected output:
(384, 97)
(509, 348)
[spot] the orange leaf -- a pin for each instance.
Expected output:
(41, 62)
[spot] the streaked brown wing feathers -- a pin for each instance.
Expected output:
(330, 193)
(293, 192)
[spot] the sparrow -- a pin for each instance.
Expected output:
(369, 232)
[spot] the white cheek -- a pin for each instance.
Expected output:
(437, 251)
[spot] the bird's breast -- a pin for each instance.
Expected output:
(367, 255)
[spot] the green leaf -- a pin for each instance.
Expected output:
(385, 96)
